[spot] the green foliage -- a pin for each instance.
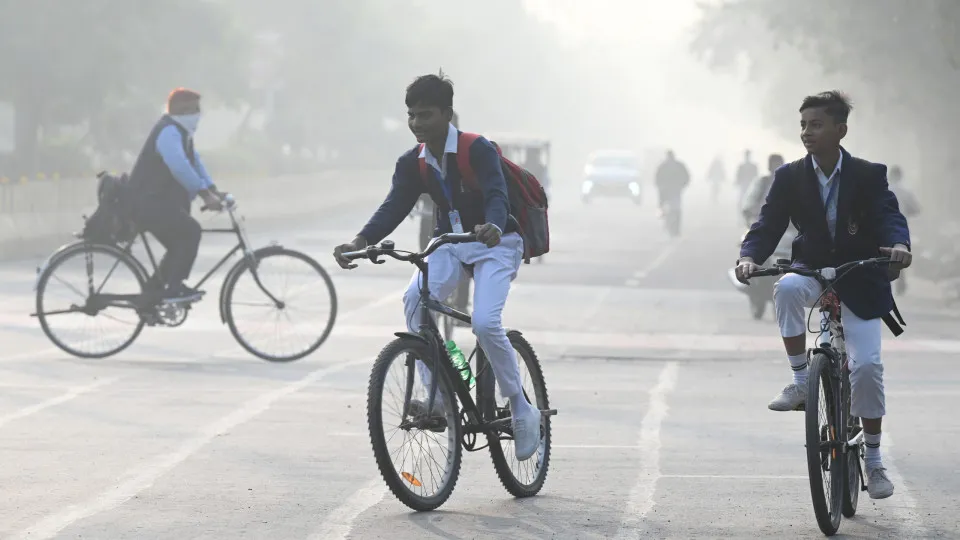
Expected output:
(901, 58)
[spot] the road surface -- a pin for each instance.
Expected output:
(660, 376)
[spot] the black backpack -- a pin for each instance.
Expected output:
(112, 222)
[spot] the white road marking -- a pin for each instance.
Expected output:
(655, 263)
(141, 478)
(393, 296)
(641, 496)
(901, 507)
(339, 522)
(737, 476)
(596, 446)
(201, 325)
(62, 398)
(589, 315)
(637, 341)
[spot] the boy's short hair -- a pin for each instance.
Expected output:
(430, 91)
(836, 104)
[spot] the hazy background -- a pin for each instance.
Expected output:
(298, 85)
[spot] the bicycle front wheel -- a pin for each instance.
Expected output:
(418, 451)
(826, 463)
(282, 308)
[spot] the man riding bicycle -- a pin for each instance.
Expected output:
(844, 211)
(496, 256)
(166, 177)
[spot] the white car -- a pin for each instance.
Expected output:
(613, 173)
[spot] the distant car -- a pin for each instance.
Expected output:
(613, 173)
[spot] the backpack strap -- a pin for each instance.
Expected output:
(423, 170)
(464, 144)
(892, 320)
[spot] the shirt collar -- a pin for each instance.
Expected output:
(450, 147)
(823, 175)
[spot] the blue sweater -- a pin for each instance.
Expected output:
(490, 204)
(192, 176)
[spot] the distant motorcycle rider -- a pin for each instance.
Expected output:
(672, 179)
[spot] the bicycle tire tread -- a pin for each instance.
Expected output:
(500, 465)
(378, 443)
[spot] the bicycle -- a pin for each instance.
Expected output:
(150, 311)
(834, 463)
(436, 412)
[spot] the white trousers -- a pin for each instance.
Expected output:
(494, 269)
(791, 294)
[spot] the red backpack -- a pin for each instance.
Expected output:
(528, 200)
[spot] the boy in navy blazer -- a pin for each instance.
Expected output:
(495, 257)
(843, 210)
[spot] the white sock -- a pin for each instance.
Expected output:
(799, 365)
(871, 452)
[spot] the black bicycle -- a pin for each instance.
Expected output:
(133, 307)
(834, 438)
(425, 418)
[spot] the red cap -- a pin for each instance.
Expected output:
(180, 96)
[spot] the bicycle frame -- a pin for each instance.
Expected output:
(130, 300)
(831, 343)
(428, 331)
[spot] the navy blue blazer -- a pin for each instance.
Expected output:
(868, 217)
(489, 204)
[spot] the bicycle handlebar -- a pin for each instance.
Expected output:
(228, 203)
(387, 248)
(826, 274)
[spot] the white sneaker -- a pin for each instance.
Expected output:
(878, 485)
(792, 398)
(526, 433)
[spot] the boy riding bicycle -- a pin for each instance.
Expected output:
(844, 211)
(496, 256)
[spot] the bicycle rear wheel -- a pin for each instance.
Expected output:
(825, 463)
(851, 491)
(519, 478)
(401, 434)
(247, 307)
(75, 305)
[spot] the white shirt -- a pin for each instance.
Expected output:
(450, 147)
(825, 184)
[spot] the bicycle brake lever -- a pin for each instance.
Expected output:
(375, 257)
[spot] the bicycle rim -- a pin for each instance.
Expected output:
(420, 465)
(519, 478)
(825, 466)
(104, 262)
(273, 346)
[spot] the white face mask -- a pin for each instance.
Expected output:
(188, 121)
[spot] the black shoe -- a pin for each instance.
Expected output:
(180, 293)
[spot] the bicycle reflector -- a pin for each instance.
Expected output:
(411, 478)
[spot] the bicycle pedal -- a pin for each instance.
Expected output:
(548, 412)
